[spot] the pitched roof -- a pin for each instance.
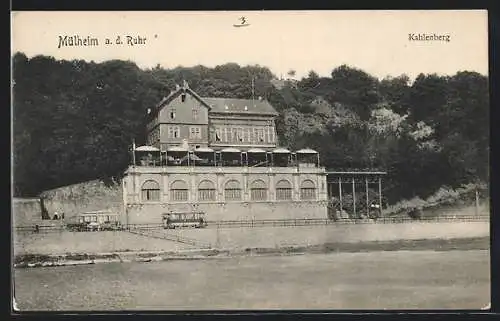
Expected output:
(174, 94)
(177, 92)
(220, 105)
(241, 106)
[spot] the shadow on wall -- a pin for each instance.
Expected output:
(26, 211)
(88, 196)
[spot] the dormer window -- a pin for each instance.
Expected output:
(172, 114)
(183, 97)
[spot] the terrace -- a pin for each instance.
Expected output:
(149, 156)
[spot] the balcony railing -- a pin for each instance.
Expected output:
(228, 158)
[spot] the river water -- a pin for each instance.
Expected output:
(375, 280)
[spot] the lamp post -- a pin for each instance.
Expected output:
(367, 199)
(380, 194)
(353, 197)
(340, 194)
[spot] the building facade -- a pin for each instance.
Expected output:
(220, 156)
(186, 118)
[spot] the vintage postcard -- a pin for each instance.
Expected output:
(250, 160)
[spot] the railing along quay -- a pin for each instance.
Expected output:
(276, 223)
(310, 222)
(41, 229)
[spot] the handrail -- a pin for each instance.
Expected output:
(192, 212)
(287, 222)
(321, 221)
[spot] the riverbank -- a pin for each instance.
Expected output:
(362, 280)
(41, 260)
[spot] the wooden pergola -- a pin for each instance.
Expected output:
(336, 179)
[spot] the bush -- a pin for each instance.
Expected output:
(415, 213)
(465, 194)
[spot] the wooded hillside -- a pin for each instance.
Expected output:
(75, 120)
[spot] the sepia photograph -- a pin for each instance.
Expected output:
(250, 160)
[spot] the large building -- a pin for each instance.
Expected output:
(220, 156)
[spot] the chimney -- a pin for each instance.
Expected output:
(185, 84)
(177, 87)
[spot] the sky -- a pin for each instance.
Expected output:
(374, 41)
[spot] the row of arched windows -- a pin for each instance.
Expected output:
(232, 190)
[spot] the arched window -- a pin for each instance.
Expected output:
(206, 191)
(232, 191)
(150, 191)
(283, 190)
(258, 191)
(179, 191)
(307, 190)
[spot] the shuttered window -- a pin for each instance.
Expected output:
(283, 190)
(258, 191)
(232, 191)
(307, 190)
(206, 191)
(150, 191)
(179, 191)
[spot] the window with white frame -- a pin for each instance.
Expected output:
(218, 135)
(232, 135)
(173, 131)
(194, 132)
(260, 133)
(206, 191)
(172, 113)
(239, 135)
(258, 191)
(307, 190)
(283, 190)
(232, 191)
(179, 191)
(195, 114)
(150, 191)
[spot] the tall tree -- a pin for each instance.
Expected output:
(427, 96)
(355, 89)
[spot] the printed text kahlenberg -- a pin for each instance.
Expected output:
(428, 37)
